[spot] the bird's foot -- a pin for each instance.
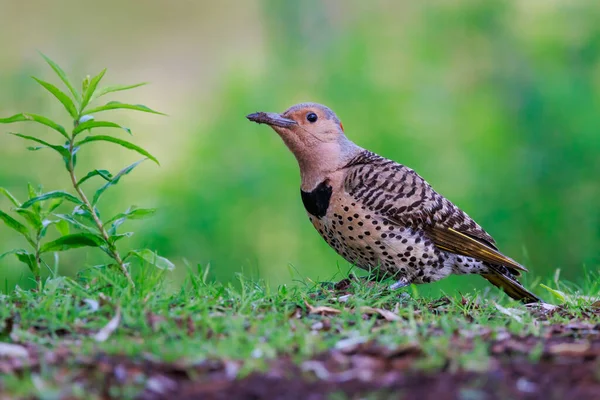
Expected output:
(399, 284)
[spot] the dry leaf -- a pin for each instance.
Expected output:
(154, 320)
(191, 327)
(297, 313)
(323, 310)
(575, 349)
(317, 326)
(580, 326)
(542, 307)
(350, 343)
(13, 350)
(104, 333)
(104, 300)
(343, 299)
(316, 367)
(161, 384)
(93, 304)
(387, 314)
(526, 386)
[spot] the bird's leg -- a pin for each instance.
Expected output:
(400, 284)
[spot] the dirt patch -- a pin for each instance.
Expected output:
(566, 365)
(485, 361)
(567, 368)
(513, 381)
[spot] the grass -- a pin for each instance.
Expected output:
(250, 326)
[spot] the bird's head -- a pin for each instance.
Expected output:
(313, 133)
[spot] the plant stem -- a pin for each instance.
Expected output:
(38, 261)
(114, 253)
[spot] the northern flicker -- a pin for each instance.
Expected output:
(381, 215)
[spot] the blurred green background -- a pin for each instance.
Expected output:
(495, 103)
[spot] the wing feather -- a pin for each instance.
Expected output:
(407, 200)
(456, 242)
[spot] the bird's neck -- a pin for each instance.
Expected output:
(322, 160)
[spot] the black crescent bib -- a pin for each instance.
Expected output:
(316, 202)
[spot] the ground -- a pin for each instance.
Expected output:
(92, 337)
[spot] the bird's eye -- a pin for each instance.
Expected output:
(311, 117)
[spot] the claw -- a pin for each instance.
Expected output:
(400, 284)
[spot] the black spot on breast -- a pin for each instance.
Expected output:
(317, 201)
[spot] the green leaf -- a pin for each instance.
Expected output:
(60, 149)
(63, 77)
(68, 165)
(16, 225)
(62, 227)
(23, 117)
(73, 241)
(61, 96)
(117, 88)
(33, 218)
(81, 211)
(115, 238)
(69, 219)
(10, 197)
(30, 261)
(152, 258)
(45, 224)
(25, 257)
(52, 195)
(120, 142)
(119, 219)
(556, 293)
(107, 176)
(33, 193)
(53, 205)
(85, 84)
(115, 105)
(97, 124)
(115, 180)
(91, 88)
(138, 213)
(14, 251)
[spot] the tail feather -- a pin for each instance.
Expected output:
(511, 286)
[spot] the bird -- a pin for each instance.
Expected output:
(382, 216)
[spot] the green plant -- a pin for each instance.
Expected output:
(39, 210)
(35, 229)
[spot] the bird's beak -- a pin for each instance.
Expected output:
(272, 119)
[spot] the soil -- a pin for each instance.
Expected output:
(565, 364)
(561, 362)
